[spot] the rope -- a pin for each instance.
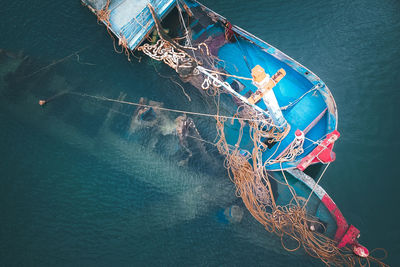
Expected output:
(228, 75)
(55, 63)
(319, 179)
(297, 100)
(182, 21)
(290, 221)
(246, 169)
(172, 80)
(294, 195)
(83, 63)
(104, 16)
(201, 139)
(103, 98)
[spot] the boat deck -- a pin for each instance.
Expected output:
(304, 107)
(305, 101)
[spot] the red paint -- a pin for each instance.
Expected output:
(341, 222)
(349, 237)
(326, 155)
(345, 234)
(360, 250)
(298, 132)
(322, 153)
(228, 31)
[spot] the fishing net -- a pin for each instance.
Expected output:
(246, 167)
(103, 12)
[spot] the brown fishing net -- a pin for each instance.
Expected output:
(290, 222)
(246, 168)
(103, 15)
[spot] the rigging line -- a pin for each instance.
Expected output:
(83, 63)
(171, 78)
(117, 5)
(103, 98)
(202, 140)
(228, 75)
(319, 179)
(55, 63)
(297, 100)
(57, 95)
(318, 142)
(244, 52)
(182, 21)
(292, 191)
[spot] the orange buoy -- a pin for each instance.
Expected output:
(42, 102)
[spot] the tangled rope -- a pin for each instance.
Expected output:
(290, 222)
(247, 169)
(262, 127)
(169, 51)
(165, 52)
(295, 149)
(103, 15)
(211, 84)
(123, 42)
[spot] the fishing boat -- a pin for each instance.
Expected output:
(275, 117)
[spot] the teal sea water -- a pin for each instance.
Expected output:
(80, 187)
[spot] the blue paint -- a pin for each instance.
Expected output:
(63, 205)
(287, 91)
(136, 24)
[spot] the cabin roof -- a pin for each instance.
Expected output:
(132, 18)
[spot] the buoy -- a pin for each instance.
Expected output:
(360, 250)
(42, 102)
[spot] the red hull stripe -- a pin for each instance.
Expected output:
(341, 222)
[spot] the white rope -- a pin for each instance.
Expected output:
(103, 98)
(319, 179)
(295, 149)
(188, 41)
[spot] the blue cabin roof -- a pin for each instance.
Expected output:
(132, 18)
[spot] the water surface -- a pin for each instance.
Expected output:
(80, 189)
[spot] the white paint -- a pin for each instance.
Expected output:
(125, 12)
(274, 110)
